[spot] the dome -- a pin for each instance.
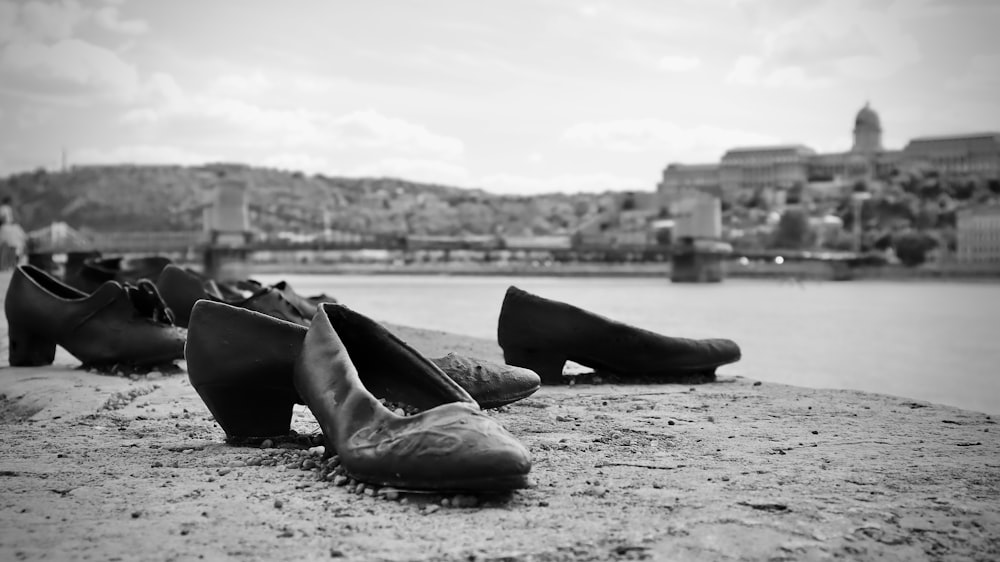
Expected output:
(867, 119)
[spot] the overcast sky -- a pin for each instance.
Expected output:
(510, 96)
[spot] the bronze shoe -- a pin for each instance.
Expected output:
(115, 324)
(93, 271)
(542, 334)
(349, 361)
(492, 385)
(306, 305)
(181, 289)
(240, 362)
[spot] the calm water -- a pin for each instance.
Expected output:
(923, 340)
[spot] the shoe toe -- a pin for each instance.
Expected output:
(722, 351)
(490, 384)
(451, 447)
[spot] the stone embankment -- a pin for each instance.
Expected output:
(134, 468)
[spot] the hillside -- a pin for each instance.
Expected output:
(117, 198)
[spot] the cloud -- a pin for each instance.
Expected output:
(752, 71)
(516, 184)
(821, 42)
(370, 129)
(703, 142)
(285, 128)
(40, 53)
(982, 74)
(141, 154)
(241, 84)
(678, 63)
(109, 18)
(46, 21)
(69, 66)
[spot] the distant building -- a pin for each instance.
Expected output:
(745, 173)
(978, 235)
(964, 154)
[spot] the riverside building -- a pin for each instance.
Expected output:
(978, 235)
(764, 171)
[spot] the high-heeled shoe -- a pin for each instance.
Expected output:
(542, 334)
(240, 362)
(125, 325)
(348, 361)
(181, 289)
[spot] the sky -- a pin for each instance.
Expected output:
(511, 96)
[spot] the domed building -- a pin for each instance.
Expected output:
(867, 131)
(770, 171)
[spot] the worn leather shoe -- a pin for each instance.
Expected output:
(181, 289)
(93, 271)
(124, 325)
(491, 385)
(240, 362)
(349, 361)
(542, 334)
(306, 305)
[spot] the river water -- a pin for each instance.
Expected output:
(926, 340)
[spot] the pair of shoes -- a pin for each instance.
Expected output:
(250, 368)
(232, 350)
(181, 289)
(542, 334)
(114, 325)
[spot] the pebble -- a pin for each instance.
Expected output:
(224, 471)
(317, 451)
(308, 464)
(266, 444)
(278, 504)
(340, 480)
(360, 488)
(431, 509)
(390, 494)
(369, 491)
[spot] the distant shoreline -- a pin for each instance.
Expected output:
(803, 271)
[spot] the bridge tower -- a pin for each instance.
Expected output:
(698, 247)
(227, 228)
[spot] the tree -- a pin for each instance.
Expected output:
(911, 247)
(793, 230)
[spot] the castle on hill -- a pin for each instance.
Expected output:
(744, 173)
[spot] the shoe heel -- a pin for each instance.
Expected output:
(548, 366)
(247, 413)
(28, 350)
